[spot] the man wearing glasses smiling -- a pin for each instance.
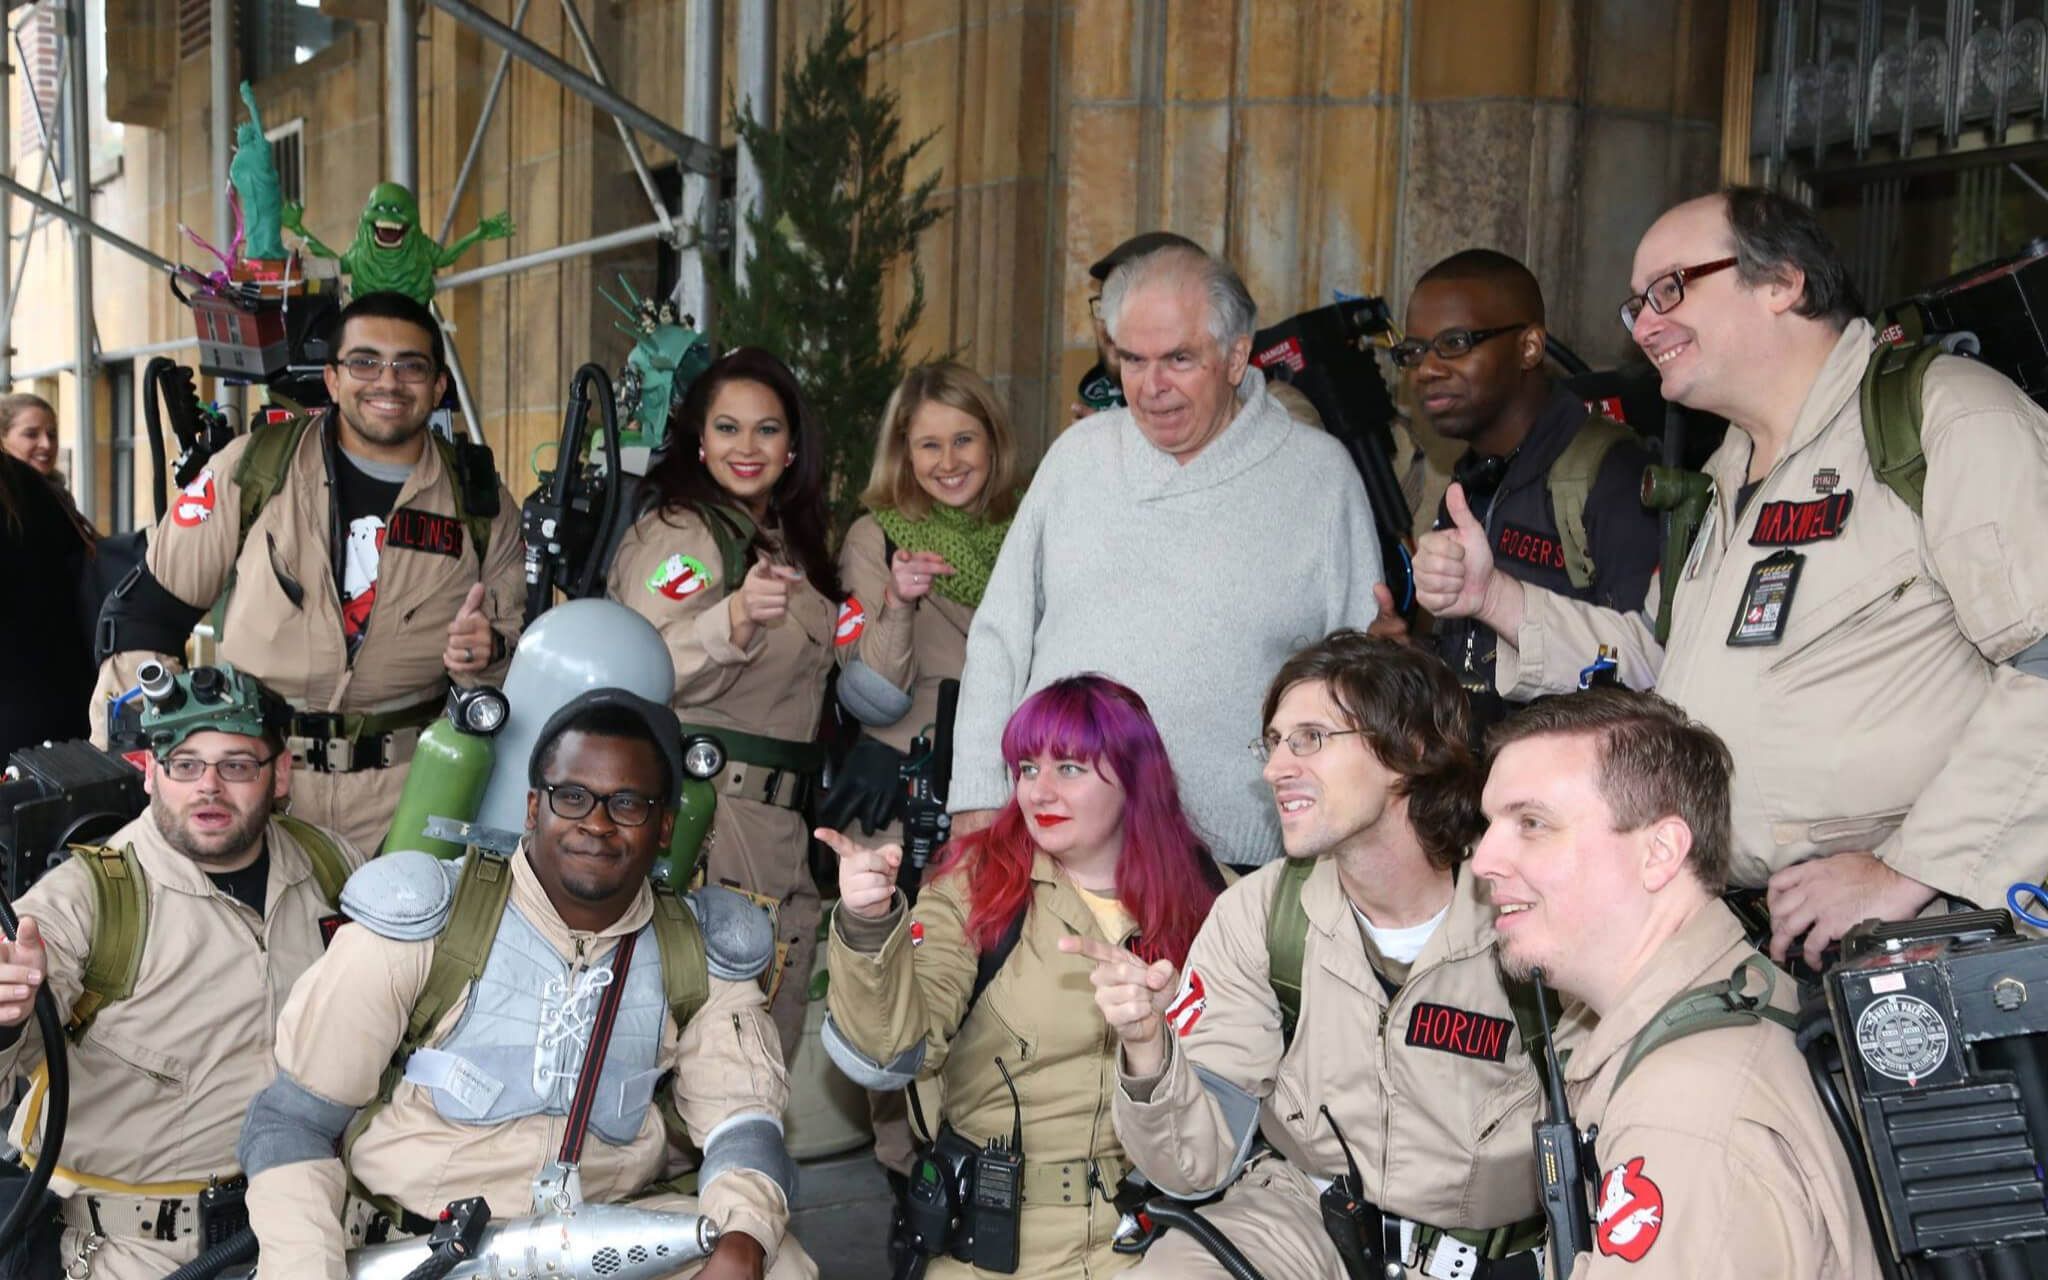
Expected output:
(223, 913)
(1878, 672)
(373, 570)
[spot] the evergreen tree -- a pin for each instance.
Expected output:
(836, 216)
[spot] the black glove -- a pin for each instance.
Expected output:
(868, 786)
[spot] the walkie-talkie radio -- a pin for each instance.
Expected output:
(1356, 1227)
(1560, 1163)
(995, 1203)
(963, 1199)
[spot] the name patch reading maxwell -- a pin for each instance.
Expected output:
(424, 531)
(1789, 524)
(1459, 1031)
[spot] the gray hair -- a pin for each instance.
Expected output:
(1232, 313)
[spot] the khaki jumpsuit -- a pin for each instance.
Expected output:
(905, 979)
(298, 649)
(1714, 1156)
(913, 647)
(1431, 1084)
(776, 689)
(346, 1019)
(1888, 717)
(162, 1079)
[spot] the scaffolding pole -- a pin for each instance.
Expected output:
(703, 44)
(632, 144)
(483, 124)
(221, 128)
(6, 220)
(78, 146)
(691, 153)
(560, 253)
(80, 222)
(402, 93)
(756, 92)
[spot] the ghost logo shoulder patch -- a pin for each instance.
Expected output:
(679, 577)
(853, 620)
(1188, 1003)
(1460, 1031)
(1630, 1212)
(195, 501)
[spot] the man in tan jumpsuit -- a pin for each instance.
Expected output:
(1888, 706)
(1407, 1037)
(480, 1114)
(358, 618)
(160, 1080)
(1607, 850)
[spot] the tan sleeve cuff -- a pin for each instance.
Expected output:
(1139, 1089)
(864, 936)
(750, 1204)
(296, 1210)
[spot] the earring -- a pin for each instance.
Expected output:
(790, 459)
(700, 453)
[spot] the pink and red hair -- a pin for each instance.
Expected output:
(1165, 877)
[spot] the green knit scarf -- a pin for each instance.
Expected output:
(969, 544)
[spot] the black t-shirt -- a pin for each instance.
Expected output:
(250, 885)
(366, 493)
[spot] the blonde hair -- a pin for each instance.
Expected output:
(14, 402)
(893, 484)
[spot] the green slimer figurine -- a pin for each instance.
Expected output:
(390, 252)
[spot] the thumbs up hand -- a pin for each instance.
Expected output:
(1454, 566)
(469, 637)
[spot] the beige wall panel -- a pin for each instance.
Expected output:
(1475, 48)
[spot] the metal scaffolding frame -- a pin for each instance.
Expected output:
(699, 160)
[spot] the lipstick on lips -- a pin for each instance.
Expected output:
(1049, 819)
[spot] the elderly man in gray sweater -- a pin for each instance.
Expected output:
(1184, 545)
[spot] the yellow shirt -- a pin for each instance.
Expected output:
(1110, 915)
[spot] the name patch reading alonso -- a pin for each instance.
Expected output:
(1789, 524)
(424, 531)
(1459, 1031)
(1517, 543)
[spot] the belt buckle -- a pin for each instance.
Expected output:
(774, 785)
(1451, 1259)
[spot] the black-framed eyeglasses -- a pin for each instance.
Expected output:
(232, 769)
(407, 368)
(1450, 344)
(1302, 742)
(1095, 305)
(1668, 290)
(572, 801)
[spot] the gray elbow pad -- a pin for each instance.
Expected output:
(1240, 1117)
(289, 1124)
(871, 699)
(897, 1073)
(2033, 659)
(752, 1143)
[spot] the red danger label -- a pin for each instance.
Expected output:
(1287, 352)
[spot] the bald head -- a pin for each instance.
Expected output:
(1506, 280)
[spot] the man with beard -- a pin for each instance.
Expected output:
(1555, 486)
(204, 911)
(436, 1052)
(349, 564)
(1605, 857)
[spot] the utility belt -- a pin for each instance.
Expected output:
(774, 771)
(211, 1214)
(352, 742)
(1373, 1243)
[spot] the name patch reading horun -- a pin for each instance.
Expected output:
(1460, 1031)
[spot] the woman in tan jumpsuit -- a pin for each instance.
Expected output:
(729, 561)
(1092, 843)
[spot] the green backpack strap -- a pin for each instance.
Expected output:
(1570, 483)
(120, 924)
(473, 478)
(1287, 943)
(259, 474)
(330, 868)
(1717, 1004)
(1890, 400)
(685, 971)
(733, 530)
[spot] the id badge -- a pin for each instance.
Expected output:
(1767, 600)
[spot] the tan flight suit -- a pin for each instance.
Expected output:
(914, 648)
(1431, 1086)
(299, 650)
(774, 688)
(1886, 719)
(162, 1079)
(890, 990)
(346, 1019)
(1714, 1156)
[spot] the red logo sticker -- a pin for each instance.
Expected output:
(1630, 1214)
(852, 621)
(1188, 1003)
(195, 501)
(916, 933)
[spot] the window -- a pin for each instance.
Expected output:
(277, 35)
(288, 153)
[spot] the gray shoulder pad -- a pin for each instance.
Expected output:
(739, 938)
(872, 699)
(404, 895)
